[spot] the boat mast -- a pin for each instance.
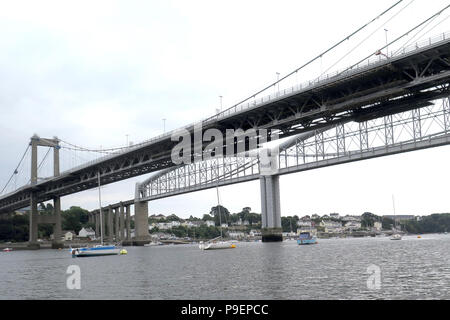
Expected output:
(218, 208)
(100, 206)
(395, 220)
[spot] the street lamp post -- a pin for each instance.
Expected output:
(164, 120)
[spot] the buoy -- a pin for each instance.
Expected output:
(123, 251)
(419, 237)
(233, 246)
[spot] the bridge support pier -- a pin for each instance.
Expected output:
(128, 222)
(121, 222)
(141, 223)
(117, 224)
(33, 232)
(57, 232)
(270, 206)
(110, 225)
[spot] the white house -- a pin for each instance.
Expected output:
(378, 226)
(210, 223)
(353, 225)
(68, 235)
(87, 233)
(224, 225)
(304, 223)
(331, 226)
(236, 234)
(255, 233)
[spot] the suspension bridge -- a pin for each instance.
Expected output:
(383, 105)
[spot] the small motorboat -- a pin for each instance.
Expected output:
(7, 250)
(306, 238)
(99, 250)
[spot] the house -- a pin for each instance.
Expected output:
(378, 226)
(210, 223)
(224, 225)
(157, 217)
(335, 215)
(353, 225)
(236, 234)
(255, 233)
(68, 235)
(87, 233)
(331, 226)
(304, 223)
(164, 225)
(348, 218)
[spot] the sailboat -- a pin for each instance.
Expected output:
(101, 249)
(395, 235)
(216, 243)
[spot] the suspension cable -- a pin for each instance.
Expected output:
(319, 56)
(16, 170)
(402, 36)
(368, 37)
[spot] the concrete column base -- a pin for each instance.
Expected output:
(272, 235)
(33, 246)
(57, 245)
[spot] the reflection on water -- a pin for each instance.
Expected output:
(334, 269)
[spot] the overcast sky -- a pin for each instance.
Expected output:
(93, 72)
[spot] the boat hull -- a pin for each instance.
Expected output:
(216, 246)
(303, 242)
(95, 252)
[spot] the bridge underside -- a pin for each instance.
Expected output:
(373, 90)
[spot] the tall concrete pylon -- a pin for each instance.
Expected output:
(35, 219)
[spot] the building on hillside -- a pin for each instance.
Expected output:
(304, 223)
(331, 226)
(224, 225)
(86, 233)
(157, 217)
(210, 223)
(68, 235)
(335, 215)
(377, 226)
(348, 218)
(352, 225)
(236, 234)
(255, 233)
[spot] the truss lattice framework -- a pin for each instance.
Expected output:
(421, 128)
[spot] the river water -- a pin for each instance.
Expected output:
(334, 269)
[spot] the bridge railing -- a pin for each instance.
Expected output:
(370, 63)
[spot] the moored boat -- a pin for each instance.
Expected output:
(306, 238)
(100, 250)
(215, 245)
(7, 250)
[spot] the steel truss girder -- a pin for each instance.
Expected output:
(346, 142)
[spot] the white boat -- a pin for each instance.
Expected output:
(98, 250)
(396, 236)
(216, 245)
(7, 250)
